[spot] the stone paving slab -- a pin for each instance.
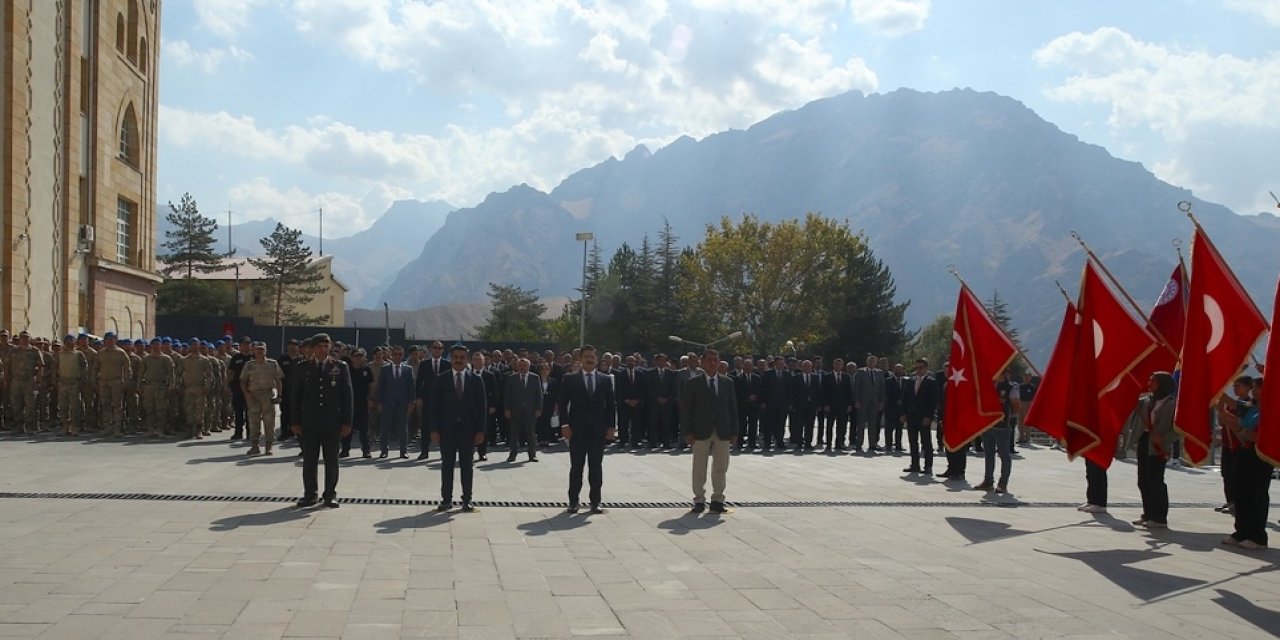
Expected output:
(908, 559)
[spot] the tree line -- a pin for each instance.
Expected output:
(289, 279)
(807, 285)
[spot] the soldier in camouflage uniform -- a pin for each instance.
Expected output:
(226, 412)
(48, 404)
(114, 373)
(261, 380)
(89, 391)
(72, 368)
(213, 394)
(155, 382)
(169, 350)
(6, 421)
(195, 377)
(25, 367)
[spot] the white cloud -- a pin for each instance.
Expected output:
(1268, 9)
(891, 17)
(1182, 95)
(224, 18)
(298, 209)
(181, 53)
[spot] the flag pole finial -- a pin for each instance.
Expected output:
(1064, 291)
(1185, 207)
(1177, 246)
(1163, 342)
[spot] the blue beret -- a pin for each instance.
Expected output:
(166, 340)
(83, 335)
(124, 342)
(68, 337)
(155, 341)
(108, 335)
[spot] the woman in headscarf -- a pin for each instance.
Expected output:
(1154, 445)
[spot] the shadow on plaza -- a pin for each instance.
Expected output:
(425, 520)
(1264, 619)
(1117, 566)
(691, 522)
(278, 516)
(979, 531)
(560, 522)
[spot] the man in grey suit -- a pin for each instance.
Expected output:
(395, 394)
(522, 405)
(868, 400)
(709, 423)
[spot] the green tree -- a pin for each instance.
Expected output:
(998, 309)
(933, 342)
(189, 245)
(865, 316)
(193, 296)
(292, 277)
(516, 315)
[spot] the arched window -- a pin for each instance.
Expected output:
(142, 55)
(130, 141)
(120, 32)
(132, 38)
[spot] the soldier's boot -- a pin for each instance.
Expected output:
(254, 450)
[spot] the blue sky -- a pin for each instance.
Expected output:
(279, 107)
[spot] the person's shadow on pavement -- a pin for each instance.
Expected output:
(278, 516)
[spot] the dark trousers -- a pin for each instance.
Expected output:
(628, 423)
(522, 426)
(750, 427)
(359, 426)
(588, 452)
(803, 431)
(1095, 478)
(1252, 496)
(455, 450)
(1229, 458)
(893, 429)
(958, 461)
(1155, 493)
(424, 432)
(395, 425)
(997, 441)
(837, 425)
(774, 417)
(239, 408)
(286, 426)
(316, 440)
(921, 444)
(544, 425)
(659, 423)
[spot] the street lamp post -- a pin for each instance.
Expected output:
(704, 345)
(584, 238)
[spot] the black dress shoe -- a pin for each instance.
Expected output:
(698, 507)
(344, 454)
(945, 474)
(573, 508)
(382, 455)
(368, 455)
(533, 458)
(405, 456)
(331, 504)
(718, 507)
(911, 470)
(467, 507)
(511, 457)
(597, 509)
(482, 458)
(421, 456)
(307, 502)
(444, 506)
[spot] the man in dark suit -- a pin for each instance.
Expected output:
(428, 371)
(395, 394)
(895, 386)
(490, 401)
(747, 386)
(660, 389)
(629, 384)
(457, 410)
(709, 424)
(587, 420)
(920, 401)
(522, 397)
(837, 401)
(806, 391)
(776, 387)
(321, 413)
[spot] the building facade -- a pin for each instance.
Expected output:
(252, 292)
(78, 165)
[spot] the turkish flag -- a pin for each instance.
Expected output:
(1048, 410)
(1268, 444)
(1223, 324)
(1111, 344)
(980, 351)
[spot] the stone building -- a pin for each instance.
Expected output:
(252, 292)
(78, 165)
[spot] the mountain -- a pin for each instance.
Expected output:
(365, 261)
(964, 178)
(444, 322)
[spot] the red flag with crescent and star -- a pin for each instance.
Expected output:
(1166, 322)
(1223, 324)
(1267, 445)
(1048, 410)
(1111, 344)
(980, 351)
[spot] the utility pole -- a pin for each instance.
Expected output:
(584, 238)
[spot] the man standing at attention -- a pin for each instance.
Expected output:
(522, 405)
(709, 421)
(588, 415)
(261, 381)
(321, 413)
(457, 410)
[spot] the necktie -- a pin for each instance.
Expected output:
(918, 379)
(806, 379)
(591, 384)
(457, 384)
(524, 380)
(395, 371)
(714, 390)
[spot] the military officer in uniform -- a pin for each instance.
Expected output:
(194, 377)
(114, 373)
(72, 368)
(260, 381)
(155, 380)
(24, 368)
(321, 413)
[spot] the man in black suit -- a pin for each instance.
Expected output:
(920, 401)
(321, 414)
(837, 401)
(491, 392)
(775, 386)
(747, 386)
(660, 390)
(588, 419)
(428, 370)
(629, 384)
(458, 413)
(522, 395)
(806, 392)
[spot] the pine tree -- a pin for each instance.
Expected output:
(190, 243)
(516, 315)
(667, 262)
(644, 293)
(294, 280)
(999, 311)
(865, 316)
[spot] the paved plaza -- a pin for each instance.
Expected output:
(193, 539)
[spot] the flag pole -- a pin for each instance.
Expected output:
(1063, 291)
(1164, 342)
(1185, 207)
(951, 268)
